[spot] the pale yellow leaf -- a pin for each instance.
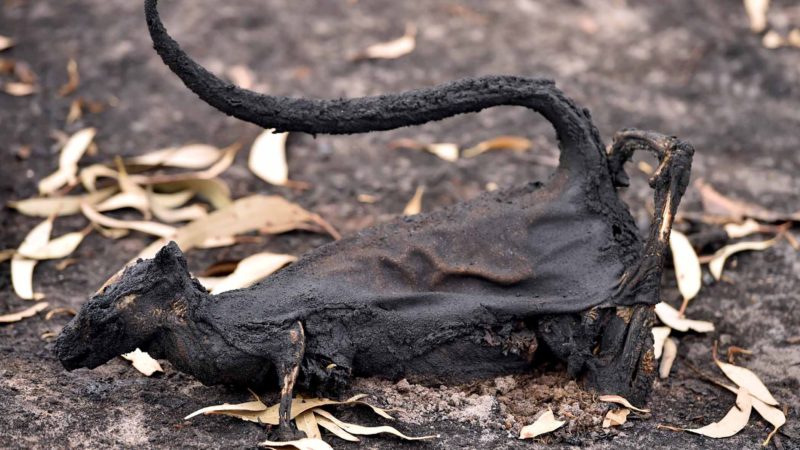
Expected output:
(268, 157)
(366, 431)
(335, 429)
(171, 200)
(73, 80)
(670, 317)
(307, 423)
(794, 37)
(771, 414)
(24, 314)
(251, 270)
(745, 378)
(124, 200)
(757, 13)
(60, 247)
(772, 40)
(444, 150)
(193, 156)
(153, 228)
(392, 49)
(733, 422)
(718, 260)
(185, 214)
(621, 401)
(668, 358)
(18, 89)
(687, 266)
(71, 153)
(214, 191)
(254, 406)
(143, 362)
(22, 268)
(514, 143)
(89, 175)
(546, 423)
(616, 417)
(740, 230)
(414, 205)
(5, 43)
(660, 335)
(59, 206)
(301, 444)
(224, 162)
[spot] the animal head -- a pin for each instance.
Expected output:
(129, 312)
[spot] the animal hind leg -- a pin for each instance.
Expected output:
(288, 366)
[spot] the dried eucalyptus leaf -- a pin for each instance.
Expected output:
(660, 335)
(301, 444)
(268, 158)
(670, 317)
(546, 423)
(59, 206)
(745, 378)
(414, 206)
(24, 314)
(143, 362)
(71, 153)
(307, 423)
(251, 270)
(391, 49)
(621, 401)
(515, 143)
(367, 431)
(687, 265)
(153, 228)
(668, 358)
(718, 260)
(193, 156)
(58, 248)
(616, 417)
(733, 422)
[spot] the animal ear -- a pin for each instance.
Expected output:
(170, 259)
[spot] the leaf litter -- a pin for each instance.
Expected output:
(546, 423)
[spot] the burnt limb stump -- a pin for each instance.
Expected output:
(465, 292)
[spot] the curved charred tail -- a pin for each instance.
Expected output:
(579, 140)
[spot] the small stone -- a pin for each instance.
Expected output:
(403, 386)
(505, 384)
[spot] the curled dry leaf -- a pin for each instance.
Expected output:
(616, 417)
(185, 214)
(22, 268)
(745, 378)
(58, 248)
(794, 37)
(733, 422)
(757, 13)
(300, 444)
(414, 206)
(621, 401)
(444, 150)
(746, 228)
(143, 362)
(257, 411)
(307, 423)
(687, 266)
(660, 335)
(717, 262)
(19, 89)
(60, 206)
(5, 43)
(771, 414)
(670, 317)
(546, 423)
(213, 190)
(368, 431)
(153, 228)
(772, 40)
(716, 204)
(268, 157)
(193, 156)
(391, 49)
(73, 79)
(251, 270)
(515, 143)
(335, 429)
(224, 162)
(24, 314)
(71, 153)
(668, 358)
(89, 175)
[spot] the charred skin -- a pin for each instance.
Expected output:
(470, 291)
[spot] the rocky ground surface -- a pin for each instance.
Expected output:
(687, 68)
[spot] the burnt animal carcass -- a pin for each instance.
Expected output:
(465, 292)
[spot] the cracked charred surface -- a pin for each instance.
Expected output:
(466, 292)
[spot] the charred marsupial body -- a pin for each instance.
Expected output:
(466, 292)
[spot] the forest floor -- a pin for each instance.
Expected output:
(687, 68)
